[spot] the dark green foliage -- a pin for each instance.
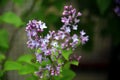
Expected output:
(3, 2)
(103, 5)
(11, 18)
(3, 40)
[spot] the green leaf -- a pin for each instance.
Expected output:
(75, 63)
(2, 57)
(67, 73)
(26, 58)
(44, 63)
(11, 18)
(1, 73)
(66, 66)
(12, 65)
(27, 69)
(39, 51)
(103, 5)
(60, 61)
(3, 39)
(66, 53)
(3, 2)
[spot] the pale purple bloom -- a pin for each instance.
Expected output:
(75, 27)
(65, 20)
(47, 52)
(70, 17)
(39, 57)
(33, 44)
(67, 29)
(56, 36)
(82, 33)
(48, 67)
(48, 36)
(76, 21)
(57, 72)
(52, 44)
(83, 38)
(41, 25)
(52, 72)
(65, 7)
(117, 10)
(61, 34)
(79, 14)
(75, 38)
(36, 25)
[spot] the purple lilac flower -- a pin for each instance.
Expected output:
(83, 38)
(74, 42)
(61, 34)
(75, 38)
(37, 26)
(70, 17)
(47, 52)
(39, 57)
(117, 10)
(67, 29)
(54, 42)
(48, 67)
(34, 28)
(33, 44)
(75, 27)
(39, 73)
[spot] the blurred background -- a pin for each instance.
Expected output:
(100, 19)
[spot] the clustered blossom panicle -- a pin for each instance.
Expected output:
(34, 28)
(70, 18)
(49, 48)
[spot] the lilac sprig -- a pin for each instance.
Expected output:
(49, 48)
(70, 18)
(33, 29)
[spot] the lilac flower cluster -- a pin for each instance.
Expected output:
(34, 28)
(70, 18)
(117, 8)
(49, 48)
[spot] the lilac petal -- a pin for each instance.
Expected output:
(39, 57)
(75, 27)
(82, 33)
